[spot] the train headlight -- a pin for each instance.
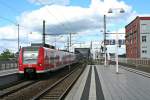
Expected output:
(40, 64)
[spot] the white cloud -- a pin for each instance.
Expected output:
(103, 7)
(8, 32)
(60, 19)
(50, 2)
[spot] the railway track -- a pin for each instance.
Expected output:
(145, 74)
(8, 85)
(60, 88)
(27, 90)
(10, 90)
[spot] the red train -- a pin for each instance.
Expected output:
(41, 59)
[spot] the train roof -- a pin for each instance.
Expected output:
(37, 45)
(41, 45)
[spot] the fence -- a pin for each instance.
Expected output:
(4, 65)
(134, 61)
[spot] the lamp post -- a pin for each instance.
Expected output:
(105, 39)
(18, 38)
(121, 10)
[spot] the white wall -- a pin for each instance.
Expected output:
(145, 31)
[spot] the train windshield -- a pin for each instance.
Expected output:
(30, 56)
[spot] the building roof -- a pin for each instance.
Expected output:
(131, 22)
(140, 18)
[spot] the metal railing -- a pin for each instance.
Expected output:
(134, 61)
(10, 64)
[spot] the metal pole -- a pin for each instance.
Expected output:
(18, 38)
(117, 70)
(67, 43)
(70, 43)
(43, 40)
(70, 50)
(91, 51)
(55, 41)
(105, 39)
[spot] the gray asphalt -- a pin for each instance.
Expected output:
(8, 79)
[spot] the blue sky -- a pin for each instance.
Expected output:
(83, 3)
(84, 17)
(11, 9)
(141, 6)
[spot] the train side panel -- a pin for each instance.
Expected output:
(42, 60)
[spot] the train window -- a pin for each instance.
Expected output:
(30, 56)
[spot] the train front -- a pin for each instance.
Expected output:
(31, 60)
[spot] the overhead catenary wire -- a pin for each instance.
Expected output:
(62, 25)
(16, 10)
(4, 18)
(13, 22)
(62, 15)
(13, 9)
(18, 28)
(66, 27)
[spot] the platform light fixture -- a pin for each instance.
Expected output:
(121, 10)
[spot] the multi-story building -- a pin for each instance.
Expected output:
(138, 38)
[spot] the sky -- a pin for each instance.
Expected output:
(84, 18)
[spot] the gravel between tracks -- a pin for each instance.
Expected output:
(30, 91)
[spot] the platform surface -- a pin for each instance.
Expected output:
(102, 83)
(8, 72)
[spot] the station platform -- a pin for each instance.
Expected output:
(103, 83)
(8, 72)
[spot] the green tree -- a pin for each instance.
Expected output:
(6, 54)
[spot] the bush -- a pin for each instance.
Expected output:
(6, 55)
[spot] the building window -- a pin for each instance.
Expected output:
(143, 38)
(144, 46)
(143, 24)
(144, 51)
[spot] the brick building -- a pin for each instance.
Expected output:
(138, 38)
